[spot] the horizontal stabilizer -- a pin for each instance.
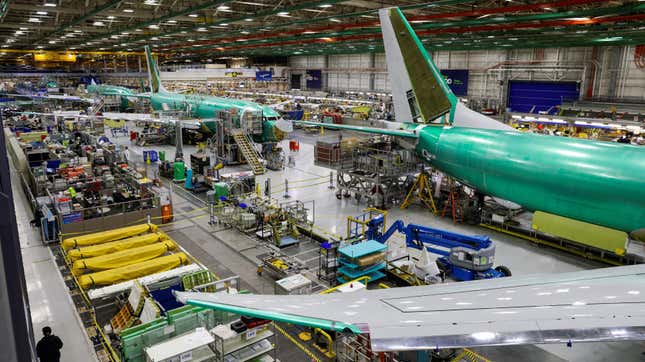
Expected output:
(383, 131)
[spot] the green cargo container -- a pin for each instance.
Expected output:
(221, 189)
(179, 173)
(162, 155)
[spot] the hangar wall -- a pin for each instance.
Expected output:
(614, 73)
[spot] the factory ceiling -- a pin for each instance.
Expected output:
(183, 29)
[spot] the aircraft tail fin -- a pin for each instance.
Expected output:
(418, 90)
(153, 73)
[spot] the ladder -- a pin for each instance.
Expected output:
(248, 151)
(453, 203)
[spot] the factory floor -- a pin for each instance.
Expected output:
(227, 252)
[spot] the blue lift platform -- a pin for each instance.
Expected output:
(463, 257)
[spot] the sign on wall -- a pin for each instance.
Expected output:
(314, 79)
(457, 80)
(263, 76)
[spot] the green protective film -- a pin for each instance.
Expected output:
(433, 96)
(280, 317)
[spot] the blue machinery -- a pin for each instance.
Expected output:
(463, 257)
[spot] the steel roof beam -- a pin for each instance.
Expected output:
(74, 22)
(456, 26)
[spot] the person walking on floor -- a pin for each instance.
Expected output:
(48, 348)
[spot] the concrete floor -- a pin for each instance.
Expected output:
(227, 252)
(50, 304)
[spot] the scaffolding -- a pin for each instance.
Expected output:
(379, 176)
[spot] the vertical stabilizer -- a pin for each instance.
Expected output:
(418, 89)
(419, 92)
(153, 73)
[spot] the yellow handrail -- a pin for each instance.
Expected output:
(330, 345)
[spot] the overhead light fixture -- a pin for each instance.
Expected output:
(51, 5)
(128, 10)
(52, 42)
(223, 24)
(172, 21)
(244, 32)
(78, 31)
(111, 17)
(202, 29)
(19, 32)
(334, 20)
(193, 15)
(223, 7)
(125, 33)
(248, 19)
(325, 6)
(283, 14)
(24, 28)
(34, 20)
(153, 26)
(41, 12)
(38, 47)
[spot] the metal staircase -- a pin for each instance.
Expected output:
(98, 106)
(248, 151)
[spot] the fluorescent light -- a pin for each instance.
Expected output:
(78, 31)
(223, 7)
(39, 47)
(283, 13)
(111, 17)
(153, 26)
(193, 15)
(334, 20)
(325, 6)
(34, 20)
(128, 10)
(248, 19)
(41, 12)
(125, 33)
(223, 24)
(52, 42)
(51, 5)
(202, 29)
(24, 28)
(172, 21)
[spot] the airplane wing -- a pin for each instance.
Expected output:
(385, 131)
(595, 305)
(61, 97)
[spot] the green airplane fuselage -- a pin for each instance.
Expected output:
(593, 181)
(206, 107)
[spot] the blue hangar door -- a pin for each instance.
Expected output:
(524, 95)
